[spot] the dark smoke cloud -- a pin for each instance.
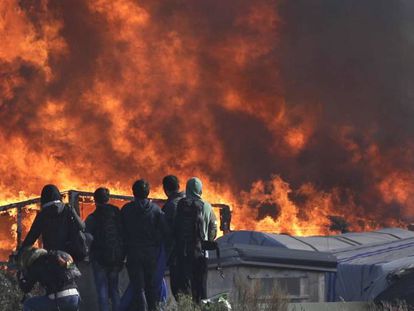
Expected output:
(343, 63)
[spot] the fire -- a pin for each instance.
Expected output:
(101, 92)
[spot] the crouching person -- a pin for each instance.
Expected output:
(56, 272)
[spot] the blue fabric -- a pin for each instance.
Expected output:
(107, 285)
(43, 303)
(160, 284)
(127, 298)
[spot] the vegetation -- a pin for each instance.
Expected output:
(243, 298)
(386, 306)
(10, 295)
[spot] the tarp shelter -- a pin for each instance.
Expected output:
(370, 265)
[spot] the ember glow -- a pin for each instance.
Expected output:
(281, 107)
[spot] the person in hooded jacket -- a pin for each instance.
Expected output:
(171, 188)
(189, 237)
(107, 249)
(144, 229)
(54, 222)
(56, 272)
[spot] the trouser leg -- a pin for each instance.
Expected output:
(101, 283)
(184, 273)
(113, 284)
(199, 279)
(149, 277)
(136, 277)
(174, 280)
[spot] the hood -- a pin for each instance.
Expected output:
(143, 205)
(29, 255)
(175, 195)
(53, 207)
(194, 188)
(49, 193)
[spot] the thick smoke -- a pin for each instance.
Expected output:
(102, 92)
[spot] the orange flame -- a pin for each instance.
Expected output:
(101, 92)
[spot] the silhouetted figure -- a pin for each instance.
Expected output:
(171, 187)
(195, 223)
(57, 224)
(107, 250)
(144, 228)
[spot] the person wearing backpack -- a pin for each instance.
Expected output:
(144, 229)
(107, 249)
(171, 188)
(58, 225)
(56, 272)
(195, 223)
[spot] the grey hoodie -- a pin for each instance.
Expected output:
(194, 190)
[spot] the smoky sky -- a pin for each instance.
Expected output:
(347, 64)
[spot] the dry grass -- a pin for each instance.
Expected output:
(386, 306)
(242, 298)
(10, 294)
(249, 297)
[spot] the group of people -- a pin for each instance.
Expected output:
(144, 237)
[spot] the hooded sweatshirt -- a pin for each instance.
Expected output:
(53, 223)
(194, 190)
(144, 225)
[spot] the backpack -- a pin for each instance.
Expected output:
(60, 269)
(109, 242)
(77, 244)
(190, 227)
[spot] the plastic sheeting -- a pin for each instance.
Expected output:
(366, 261)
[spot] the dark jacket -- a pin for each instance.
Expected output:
(93, 227)
(170, 211)
(45, 271)
(53, 224)
(144, 226)
(170, 207)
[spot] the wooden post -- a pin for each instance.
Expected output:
(19, 229)
(74, 200)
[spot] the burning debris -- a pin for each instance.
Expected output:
(241, 93)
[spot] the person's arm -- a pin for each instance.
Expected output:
(34, 232)
(212, 226)
(26, 283)
(77, 220)
(90, 224)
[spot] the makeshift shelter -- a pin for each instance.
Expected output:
(369, 265)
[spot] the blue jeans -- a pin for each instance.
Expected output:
(43, 303)
(107, 284)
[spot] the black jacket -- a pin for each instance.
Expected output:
(170, 207)
(144, 225)
(47, 272)
(92, 227)
(53, 223)
(170, 211)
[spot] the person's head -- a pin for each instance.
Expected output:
(101, 195)
(28, 255)
(50, 193)
(170, 184)
(141, 189)
(194, 188)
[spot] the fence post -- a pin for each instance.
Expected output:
(74, 200)
(19, 229)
